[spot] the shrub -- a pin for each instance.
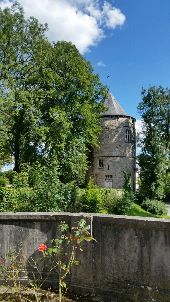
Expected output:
(155, 207)
(120, 203)
(110, 200)
(99, 200)
(16, 199)
(8, 175)
(124, 204)
(3, 181)
(37, 188)
(117, 201)
(19, 196)
(88, 200)
(138, 197)
(49, 193)
(69, 193)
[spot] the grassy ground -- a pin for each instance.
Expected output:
(136, 210)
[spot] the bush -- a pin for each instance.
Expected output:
(88, 200)
(16, 199)
(155, 207)
(99, 200)
(124, 204)
(120, 203)
(8, 175)
(117, 201)
(138, 197)
(37, 188)
(3, 181)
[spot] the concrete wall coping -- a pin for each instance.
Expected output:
(54, 215)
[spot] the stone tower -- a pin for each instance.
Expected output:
(116, 153)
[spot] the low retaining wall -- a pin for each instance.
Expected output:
(129, 261)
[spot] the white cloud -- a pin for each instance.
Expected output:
(101, 64)
(113, 17)
(139, 126)
(139, 133)
(83, 22)
(5, 3)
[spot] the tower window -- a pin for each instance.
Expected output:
(128, 136)
(109, 176)
(101, 163)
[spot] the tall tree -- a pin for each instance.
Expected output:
(22, 45)
(73, 107)
(53, 98)
(154, 159)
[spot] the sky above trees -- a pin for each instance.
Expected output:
(127, 42)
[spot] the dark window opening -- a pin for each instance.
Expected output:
(109, 176)
(128, 136)
(101, 163)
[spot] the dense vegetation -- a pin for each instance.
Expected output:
(154, 158)
(50, 105)
(40, 189)
(50, 99)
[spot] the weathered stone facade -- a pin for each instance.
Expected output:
(116, 153)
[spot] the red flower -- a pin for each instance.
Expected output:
(42, 247)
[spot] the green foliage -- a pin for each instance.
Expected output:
(136, 210)
(89, 200)
(124, 204)
(120, 202)
(10, 269)
(3, 181)
(155, 207)
(154, 159)
(98, 200)
(50, 193)
(16, 200)
(46, 185)
(22, 45)
(38, 189)
(128, 195)
(167, 187)
(62, 259)
(18, 197)
(8, 174)
(50, 99)
(112, 200)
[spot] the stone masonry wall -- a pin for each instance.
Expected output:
(118, 156)
(128, 262)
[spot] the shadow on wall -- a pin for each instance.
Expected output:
(130, 260)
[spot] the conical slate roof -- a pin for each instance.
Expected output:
(113, 107)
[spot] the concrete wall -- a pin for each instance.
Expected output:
(129, 261)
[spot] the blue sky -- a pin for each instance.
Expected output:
(138, 53)
(127, 40)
